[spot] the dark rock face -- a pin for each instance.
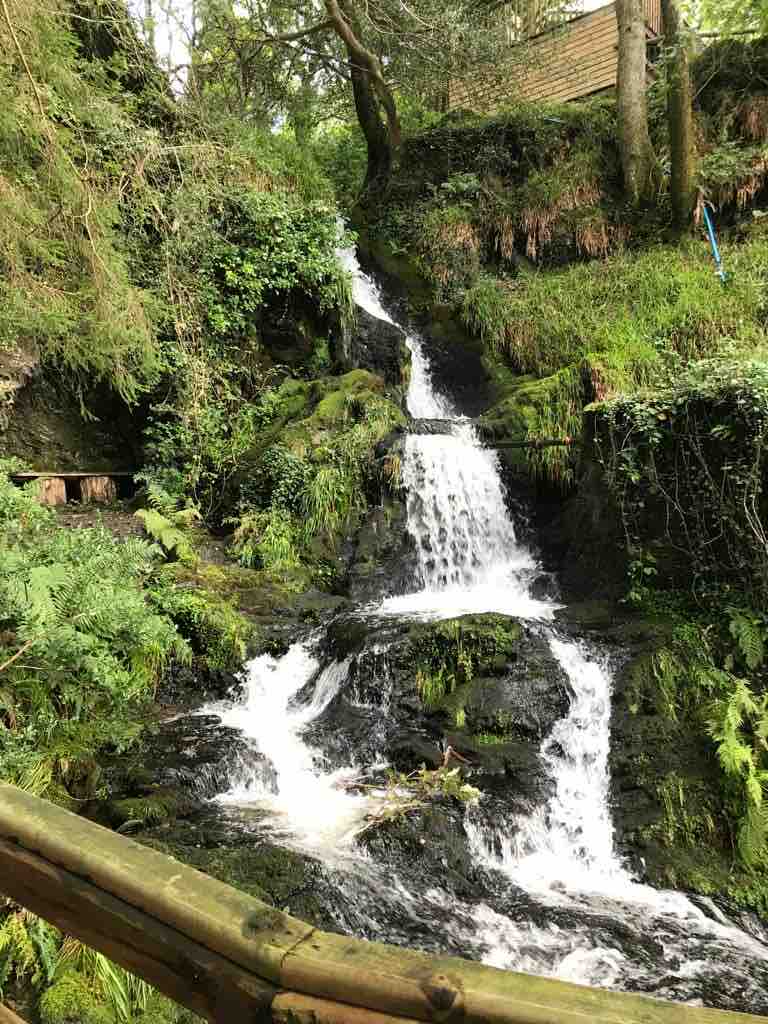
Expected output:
(375, 345)
(503, 692)
(181, 763)
(668, 799)
(236, 851)
(47, 429)
(382, 553)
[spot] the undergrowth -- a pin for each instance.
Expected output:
(596, 331)
(686, 464)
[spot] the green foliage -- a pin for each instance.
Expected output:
(168, 524)
(77, 985)
(264, 243)
(70, 999)
(28, 949)
(425, 784)
(217, 634)
(533, 179)
(267, 538)
(298, 501)
(598, 330)
(65, 161)
(408, 792)
(730, 15)
(691, 455)
(81, 649)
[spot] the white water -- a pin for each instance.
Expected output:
(562, 854)
(288, 780)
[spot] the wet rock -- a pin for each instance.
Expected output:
(376, 345)
(180, 763)
(381, 560)
(499, 690)
(239, 853)
(430, 842)
(187, 686)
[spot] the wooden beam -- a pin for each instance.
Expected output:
(203, 981)
(7, 1016)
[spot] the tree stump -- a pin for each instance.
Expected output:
(98, 489)
(52, 491)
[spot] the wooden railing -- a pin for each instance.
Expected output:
(232, 959)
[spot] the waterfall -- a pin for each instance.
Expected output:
(284, 778)
(561, 855)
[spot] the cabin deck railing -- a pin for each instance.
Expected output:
(233, 959)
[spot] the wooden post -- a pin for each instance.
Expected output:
(236, 960)
(98, 489)
(53, 491)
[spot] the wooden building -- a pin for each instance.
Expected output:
(570, 62)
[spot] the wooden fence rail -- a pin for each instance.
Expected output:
(232, 959)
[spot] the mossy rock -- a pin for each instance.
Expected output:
(156, 805)
(487, 674)
(160, 1010)
(277, 876)
(489, 639)
(71, 1000)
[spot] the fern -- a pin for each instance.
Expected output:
(168, 524)
(749, 631)
(81, 647)
(28, 948)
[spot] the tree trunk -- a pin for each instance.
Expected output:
(379, 165)
(149, 24)
(679, 117)
(634, 141)
(374, 103)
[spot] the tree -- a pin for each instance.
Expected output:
(379, 49)
(637, 157)
(730, 17)
(679, 115)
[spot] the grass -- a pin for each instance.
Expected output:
(597, 330)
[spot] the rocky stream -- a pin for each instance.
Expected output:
(530, 876)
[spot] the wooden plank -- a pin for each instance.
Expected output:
(98, 489)
(223, 919)
(71, 476)
(203, 981)
(52, 491)
(295, 1008)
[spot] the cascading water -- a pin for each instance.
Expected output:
(558, 901)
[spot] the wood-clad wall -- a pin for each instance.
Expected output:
(575, 61)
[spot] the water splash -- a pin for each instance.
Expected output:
(287, 778)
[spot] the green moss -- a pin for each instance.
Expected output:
(70, 1000)
(449, 654)
(276, 876)
(154, 807)
(160, 1010)
(594, 331)
(218, 633)
(333, 407)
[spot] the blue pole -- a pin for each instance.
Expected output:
(713, 242)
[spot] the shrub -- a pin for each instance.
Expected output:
(80, 649)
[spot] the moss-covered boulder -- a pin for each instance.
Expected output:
(280, 877)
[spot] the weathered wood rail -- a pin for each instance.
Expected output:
(232, 959)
